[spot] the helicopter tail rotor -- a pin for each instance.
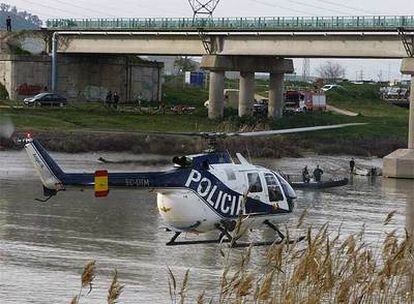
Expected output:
(48, 170)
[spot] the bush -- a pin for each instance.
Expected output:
(3, 92)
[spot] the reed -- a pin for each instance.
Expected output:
(87, 279)
(326, 268)
(115, 289)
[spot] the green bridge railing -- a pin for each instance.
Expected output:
(376, 23)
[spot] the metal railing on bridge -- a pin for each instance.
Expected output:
(337, 23)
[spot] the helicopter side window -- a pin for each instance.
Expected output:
(255, 185)
(274, 190)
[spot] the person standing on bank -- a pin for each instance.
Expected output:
(116, 100)
(108, 99)
(317, 173)
(8, 23)
(352, 165)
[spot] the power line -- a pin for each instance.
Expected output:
(345, 6)
(51, 8)
(315, 6)
(83, 8)
(279, 6)
(134, 5)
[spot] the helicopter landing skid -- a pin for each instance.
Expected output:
(219, 240)
(281, 239)
(225, 237)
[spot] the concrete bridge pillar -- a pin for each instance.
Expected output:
(400, 163)
(246, 94)
(216, 93)
(275, 107)
(247, 65)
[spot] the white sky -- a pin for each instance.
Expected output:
(178, 8)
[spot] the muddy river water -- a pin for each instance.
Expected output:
(44, 246)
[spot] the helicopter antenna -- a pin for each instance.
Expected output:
(203, 7)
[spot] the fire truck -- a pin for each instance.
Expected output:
(304, 101)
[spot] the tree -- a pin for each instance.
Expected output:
(184, 64)
(331, 71)
(4, 7)
(21, 19)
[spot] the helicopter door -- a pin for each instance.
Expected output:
(257, 189)
(275, 192)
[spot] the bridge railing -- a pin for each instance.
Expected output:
(256, 23)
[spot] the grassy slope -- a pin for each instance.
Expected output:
(387, 128)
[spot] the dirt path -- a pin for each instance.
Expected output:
(340, 111)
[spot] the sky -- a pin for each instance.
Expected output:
(371, 69)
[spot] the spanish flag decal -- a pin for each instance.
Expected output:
(101, 183)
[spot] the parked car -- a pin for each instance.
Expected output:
(260, 107)
(44, 99)
(329, 87)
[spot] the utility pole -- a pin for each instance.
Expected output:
(203, 7)
(361, 75)
(306, 69)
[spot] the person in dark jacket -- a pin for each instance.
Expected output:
(108, 99)
(317, 173)
(8, 23)
(352, 165)
(305, 175)
(116, 100)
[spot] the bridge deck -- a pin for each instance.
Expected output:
(334, 23)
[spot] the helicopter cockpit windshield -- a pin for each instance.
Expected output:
(287, 188)
(273, 188)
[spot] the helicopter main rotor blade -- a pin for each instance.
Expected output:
(293, 130)
(259, 133)
(212, 134)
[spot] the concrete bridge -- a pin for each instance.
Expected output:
(337, 36)
(251, 45)
(247, 45)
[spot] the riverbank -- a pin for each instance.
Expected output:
(271, 147)
(92, 127)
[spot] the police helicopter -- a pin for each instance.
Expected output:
(203, 192)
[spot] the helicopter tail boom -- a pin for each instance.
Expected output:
(55, 179)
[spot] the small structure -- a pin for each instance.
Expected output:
(400, 163)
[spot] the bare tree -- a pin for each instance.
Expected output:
(331, 71)
(4, 7)
(184, 64)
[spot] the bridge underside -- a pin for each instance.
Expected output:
(322, 45)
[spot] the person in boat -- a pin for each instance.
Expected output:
(352, 165)
(317, 173)
(305, 175)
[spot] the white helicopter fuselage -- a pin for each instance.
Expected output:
(205, 192)
(203, 204)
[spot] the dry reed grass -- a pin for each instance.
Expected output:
(326, 268)
(115, 289)
(87, 278)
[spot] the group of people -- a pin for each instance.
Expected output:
(317, 174)
(112, 100)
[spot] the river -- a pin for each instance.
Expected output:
(44, 246)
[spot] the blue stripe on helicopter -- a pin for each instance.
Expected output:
(213, 192)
